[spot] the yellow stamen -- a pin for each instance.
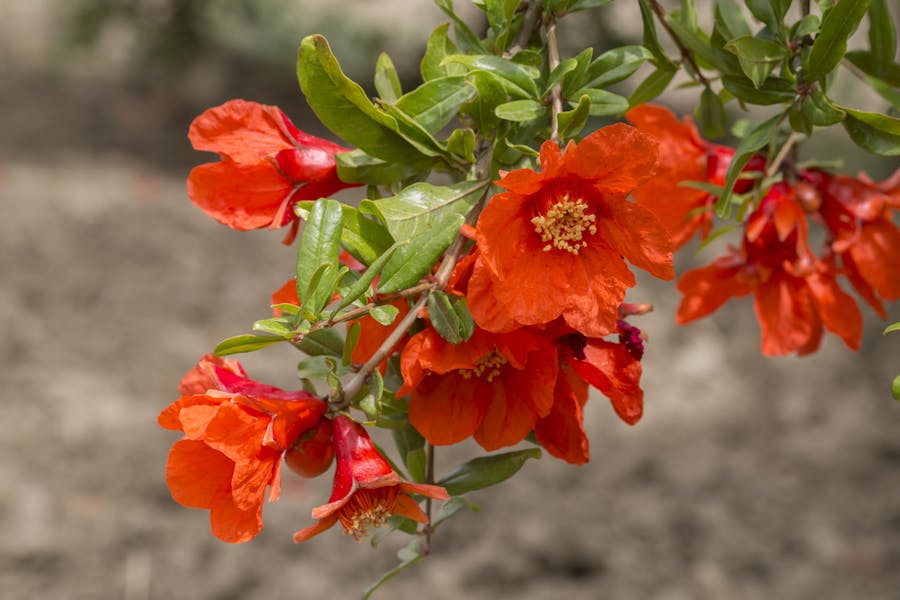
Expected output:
(367, 508)
(563, 226)
(487, 366)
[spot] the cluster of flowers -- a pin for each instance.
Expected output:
(796, 290)
(545, 282)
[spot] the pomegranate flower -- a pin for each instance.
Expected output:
(683, 156)
(366, 490)
(795, 294)
(234, 438)
(267, 165)
(555, 242)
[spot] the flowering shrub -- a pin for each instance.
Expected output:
(487, 306)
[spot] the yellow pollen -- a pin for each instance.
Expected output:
(487, 366)
(563, 226)
(366, 509)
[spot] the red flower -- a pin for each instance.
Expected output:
(234, 440)
(267, 165)
(554, 242)
(795, 294)
(683, 156)
(366, 489)
(493, 386)
(858, 214)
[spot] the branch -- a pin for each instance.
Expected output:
(529, 22)
(556, 92)
(686, 54)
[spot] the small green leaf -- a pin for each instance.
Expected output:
(439, 46)
(651, 40)
(895, 388)
(384, 313)
(572, 121)
(343, 106)
(411, 447)
(350, 344)
(868, 64)
(486, 471)
(697, 42)
(819, 111)
(711, 114)
(466, 322)
(443, 318)
(361, 286)
(605, 103)
(654, 85)
(466, 38)
(882, 36)
(730, 20)
(414, 260)
(769, 12)
(436, 102)
(875, 132)
(421, 206)
(462, 143)
(275, 326)
(322, 342)
(490, 95)
(562, 69)
(774, 91)
(808, 25)
(451, 507)
(891, 327)
(616, 65)
(364, 238)
(358, 167)
(387, 82)
(758, 57)
(830, 45)
(320, 243)
(798, 120)
(521, 76)
(245, 343)
(521, 110)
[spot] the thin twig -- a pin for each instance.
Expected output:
(782, 154)
(429, 479)
(529, 22)
(686, 54)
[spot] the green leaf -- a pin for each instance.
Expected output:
(572, 121)
(654, 85)
(730, 21)
(320, 243)
(697, 42)
(882, 36)
(521, 110)
(556, 75)
(410, 558)
(830, 45)
(362, 284)
(758, 57)
(867, 63)
(819, 111)
(605, 103)
(358, 167)
(891, 327)
(384, 313)
(353, 332)
(486, 471)
(364, 238)
(895, 388)
(451, 507)
(491, 94)
(245, 343)
(615, 65)
(770, 12)
(443, 317)
(576, 5)
(808, 25)
(436, 102)
(798, 120)
(466, 38)
(500, 15)
(343, 106)
(421, 206)
(275, 326)
(651, 40)
(439, 46)
(756, 138)
(411, 447)
(774, 91)
(387, 82)
(462, 143)
(466, 322)
(522, 77)
(413, 261)
(322, 342)
(711, 114)
(875, 132)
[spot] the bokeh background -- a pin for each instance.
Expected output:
(747, 478)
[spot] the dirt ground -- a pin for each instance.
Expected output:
(748, 478)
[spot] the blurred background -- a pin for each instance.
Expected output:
(747, 478)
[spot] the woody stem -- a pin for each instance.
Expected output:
(529, 21)
(429, 479)
(782, 154)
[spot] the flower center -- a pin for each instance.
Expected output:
(564, 224)
(367, 508)
(487, 366)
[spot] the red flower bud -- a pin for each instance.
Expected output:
(312, 453)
